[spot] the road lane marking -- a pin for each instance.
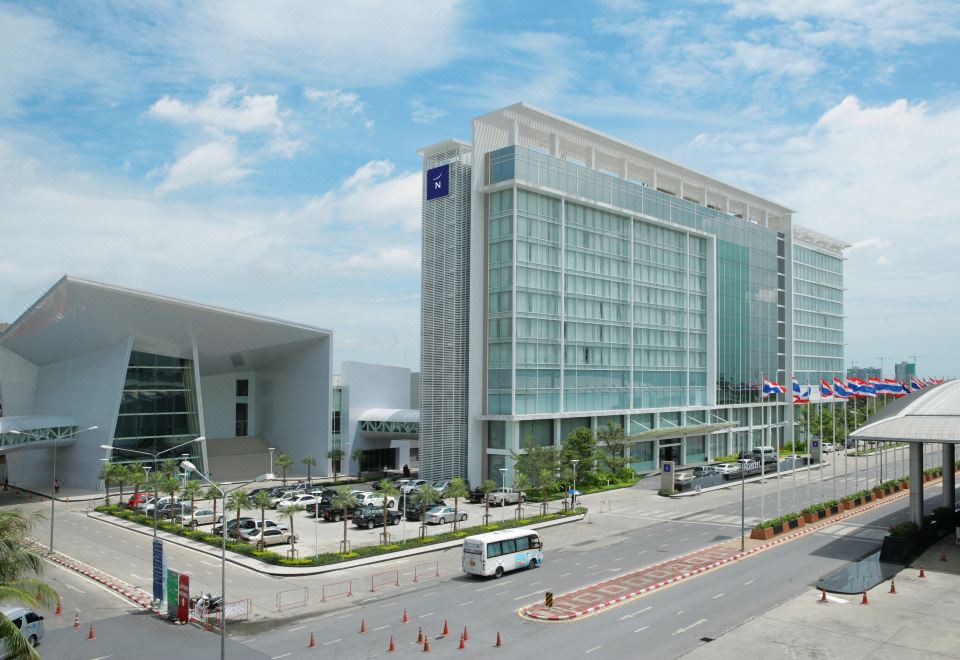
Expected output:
(594, 566)
(285, 655)
(102, 657)
(595, 648)
(748, 583)
(683, 630)
(641, 629)
(565, 575)
(533, 584)
(532, 593)
(495, 585)
(70, 586)
(686, 539)
(641, 552)
(719, 595)
(332, 641)
(469, 602)
(380, 628)
(139, 577)
(424, 616)
(500, 593)
(207, 563)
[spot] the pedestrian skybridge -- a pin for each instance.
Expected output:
(390, 423)
(33, 432)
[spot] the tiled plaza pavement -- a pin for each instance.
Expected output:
(603, 594)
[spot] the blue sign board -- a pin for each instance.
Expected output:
(666, 467)
(438, 182)
(158, 569)
(816, 443)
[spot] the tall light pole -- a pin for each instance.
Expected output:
(573, 496)
(272, 449)
(54, 498)
(503, 484)
(743, 504)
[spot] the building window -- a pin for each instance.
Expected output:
(243, 387)
(241, 419)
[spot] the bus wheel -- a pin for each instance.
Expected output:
(499, 572)
(533, 563)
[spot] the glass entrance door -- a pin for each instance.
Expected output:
(670, 452)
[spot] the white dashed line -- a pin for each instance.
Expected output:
(595, 648)
(748, 583)
(719, 595)
(469, 602)
(641, 629)
(296, 629)
(381, 628)
(565, 575)
(332, 641)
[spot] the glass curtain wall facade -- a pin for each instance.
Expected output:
(611, 309)
(158, 410)
(817, 315)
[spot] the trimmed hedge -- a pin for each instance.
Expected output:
(785, 519)
(820, 506)
(270, 557)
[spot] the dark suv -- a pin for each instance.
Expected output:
(414, 511)
(327, 512)
(324, 498)
(372, 516)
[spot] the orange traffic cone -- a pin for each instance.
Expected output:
(59, 610)
(426, 645)
(392, 647)
(921, 571)
(865, 601)
(405, 617)
(446, 630)
(312, 644)
(466, 637)
(363, 626)
(893, 586)
(76, 620)
(92, 634)
(823, 596)
(499, 641)
(462, 643)
(943, 555)
(420, 636)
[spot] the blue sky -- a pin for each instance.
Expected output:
(262, 156)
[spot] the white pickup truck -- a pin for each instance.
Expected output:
(366, 498)
(504, 496)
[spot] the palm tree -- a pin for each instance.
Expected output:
(290, 511)
(284, 461)
(169, 467)
(214, 493)
(335, 456)
(358, 455)
(194, 491)
(342, 499)
(137, 477)
(488, 486)
(238, 500)
(423, 497)
(388, 489)
(121, 474)
(309, 461)
(456, 490)
(107, 471)
(520, 482)
(262, 501)
(20, 571)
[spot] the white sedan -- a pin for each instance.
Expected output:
(439, 515)
(728, 468)
(269, 536)
(827, 446)
(366, 498)
(302, 500)
(198, 517)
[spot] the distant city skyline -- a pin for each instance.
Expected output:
(264, 158)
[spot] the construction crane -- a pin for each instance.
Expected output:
(882, 358)
(914, 357)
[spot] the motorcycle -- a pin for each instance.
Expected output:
(206, 602)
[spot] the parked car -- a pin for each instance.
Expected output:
(796, 458)
(302, 499)
(287, 496)
(28, 621)
(366, 498)
(198, 517)
(245, 521)
(414, 511)
(827, 447)
(412, 485)
(440, 515)
(440, 486)
(253, 492)
(323, 500)
(154, 502)
(728, 469)
(704, 470)
(765, 454)
(372, 516)
(136, 500)
(269, 536)
(173, 509)
(328, 512)
(504, 496)
(745, 456)
(683, 477)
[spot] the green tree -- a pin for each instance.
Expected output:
(335, 456)
(193, 491)
(580, 445)
(137, 477)
(169, 467)
(538, 467)
(424, 496)
(107, 470)
(309, 461)
(214, 493)
(613, 448)
(262, 501)
(21, 571)
(238, 501)
(343, 499)
(284, 461)
(487, 487)
(520, 483)
(358, 455)
(456, 489)
(388, 489)
(121, 474)
(171, 486)
(290, 512)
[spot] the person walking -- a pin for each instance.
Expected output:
(56, 486)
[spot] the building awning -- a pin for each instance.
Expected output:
(933, 416)
(681, 431)
(36, 431)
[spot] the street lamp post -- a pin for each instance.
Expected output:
(573, 496)
(743, 503)
(503, 484)
(53, 499)
(272, 449)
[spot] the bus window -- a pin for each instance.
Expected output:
(535, 542)
(523, 543)
(493, 549)
(509, 546)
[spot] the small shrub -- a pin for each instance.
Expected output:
(666, 492)
(903, 530)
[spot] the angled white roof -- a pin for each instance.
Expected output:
(77, 317)
(390, 415)
(934, 416)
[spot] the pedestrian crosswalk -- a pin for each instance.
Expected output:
(703, 518)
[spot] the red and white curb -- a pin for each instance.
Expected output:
(807, 529)
(134, 595)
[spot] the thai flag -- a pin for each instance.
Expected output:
(772, 387)
(796, 387)
(803, 397)
(916, 385)
(866, 389)
(879, 386)
(825, 391)
(840, 389)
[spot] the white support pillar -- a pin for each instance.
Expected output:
(916, 482)
(949, 483)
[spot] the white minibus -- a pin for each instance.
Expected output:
(495, 553)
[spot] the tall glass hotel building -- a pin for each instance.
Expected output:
(571, 279)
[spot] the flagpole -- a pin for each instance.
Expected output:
(822, 455)
(809, 455)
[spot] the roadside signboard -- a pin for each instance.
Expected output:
(173, 593)
(157, 569)
(183, 599)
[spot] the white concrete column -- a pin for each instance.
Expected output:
(916, 482)
(949, 483)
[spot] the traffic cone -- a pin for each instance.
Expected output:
(921, 571)
(312, 644)
(426, 645)
(363, 626)
(446, 630)
(405, 617)
(392, 648)
(59, 610)
(943, 555)
(92, 634)
(462, 643)
(893, 586)
(466, 637)
(499, 641)
(76, 620)
(823, 596)
(420, 636)
(865, 601)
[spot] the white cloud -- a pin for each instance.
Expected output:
(224, 109)
(400, 260)
(211, 163)
(337, 101)
(421, 113)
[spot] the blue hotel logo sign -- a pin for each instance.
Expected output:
(438, 182)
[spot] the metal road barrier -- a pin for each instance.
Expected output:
(336, 589)
(238, 610)
(293, 598)
(385, 579)
(428, 569)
